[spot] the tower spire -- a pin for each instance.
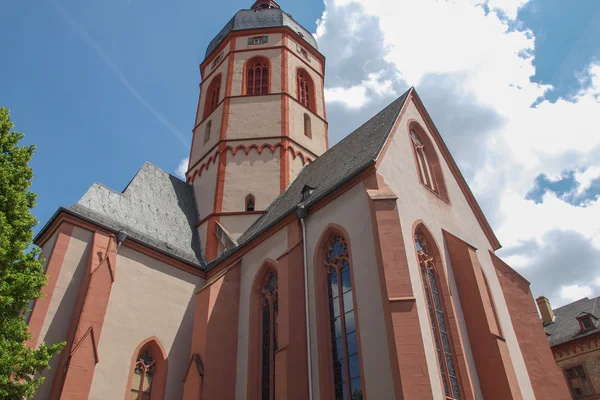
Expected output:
(262, 4)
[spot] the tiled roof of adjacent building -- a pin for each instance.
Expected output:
(346, 159)
(256, 19)
(566, 326)
(156, 209)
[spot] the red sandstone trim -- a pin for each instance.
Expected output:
(191, 176)
(159, 380)
(228, 214)
(405, 341)
(545, 376)
(53, 267)
(78, 361)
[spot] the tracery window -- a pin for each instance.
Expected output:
(344, 341)
(437, 316)
(257, 77)
(143, 373)
(305, 89)
(212, 99)
(425, 171)
(269, 324)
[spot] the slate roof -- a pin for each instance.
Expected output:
(265, 18)
(566, 326)
(155, 209)
(336, 166)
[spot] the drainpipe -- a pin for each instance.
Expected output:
(302, 213)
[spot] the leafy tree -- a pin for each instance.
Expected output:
(21, 273)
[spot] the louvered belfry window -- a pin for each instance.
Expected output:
(344, 340)
(437, 316)
(257, 77)
(305, 89)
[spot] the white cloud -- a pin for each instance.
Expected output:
(182, 168)
(477, 56)
(573, 292)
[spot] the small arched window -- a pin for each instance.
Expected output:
(257, 76)
(207, 131)
(212, 96)
(307, 127)
(141, 386)
(437, 316)
(305, 89)
(428, 166)
(344, 340)
(250, 201)
(269, 324)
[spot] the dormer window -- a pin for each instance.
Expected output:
(307, 191)
(585, 322)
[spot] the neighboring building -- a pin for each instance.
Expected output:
(285, 269)
(574, 336)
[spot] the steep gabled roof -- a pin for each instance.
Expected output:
(346, 159)
(566, 326)
(155, 209)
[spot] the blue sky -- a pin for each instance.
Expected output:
(102, 87)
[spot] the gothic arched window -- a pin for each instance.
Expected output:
(212, 96)
(257, 76)
(250, 201)
(305, 89)
(143, 373)
(428, 166)
(268, 327)
(437, 316)
(344, 340)
(307, 127)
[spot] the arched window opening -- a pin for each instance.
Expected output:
(307, 127)
(269, 325)
(207, 131)
(427, 163)
(212, 96)
(437, 316)
(250, 201)
(305, 89)
(425, 170)
(344, 340)
(257, 77)
(143, 373)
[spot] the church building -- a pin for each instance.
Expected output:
(283, 268)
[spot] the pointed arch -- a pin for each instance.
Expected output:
(148, 371)
(257, 76)
(426, 160)
(263, 332)
(440, 312)
(338, 330)
(213, 94)
(305, 89)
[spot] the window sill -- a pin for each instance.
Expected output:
(436, 194)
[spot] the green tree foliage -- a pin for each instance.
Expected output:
(21, 273)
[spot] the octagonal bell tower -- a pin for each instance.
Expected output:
(260, 118)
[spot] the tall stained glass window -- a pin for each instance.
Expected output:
(269, 322)
(344, 342)
(437, 317)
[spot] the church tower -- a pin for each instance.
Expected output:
(260, 118)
